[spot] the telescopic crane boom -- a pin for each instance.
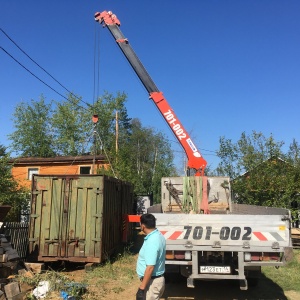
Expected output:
(195, 160)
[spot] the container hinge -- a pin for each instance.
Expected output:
(51, 241)
(32, 239)
(99, 192)
(34, 216)
(36, 192)
(97, 216)
(96, 240)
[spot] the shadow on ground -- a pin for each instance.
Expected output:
(266, 289)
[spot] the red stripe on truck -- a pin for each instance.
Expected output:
(175, 235)
(260, 236)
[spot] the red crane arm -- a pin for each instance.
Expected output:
(195, 159)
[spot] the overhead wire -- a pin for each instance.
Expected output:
(96, 76)
(202, 149)
(96, 55)
(34, 74)
(38, 78)
(86, 103)
(95, 46)
(96, 64)
(107, 157)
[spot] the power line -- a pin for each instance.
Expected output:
(95, 51)
(33, 74)
(96, 63)
(212, 151)
(40, 68)
(46, 84)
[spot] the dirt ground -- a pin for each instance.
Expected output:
(204, 290)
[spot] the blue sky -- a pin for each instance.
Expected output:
(225, 66)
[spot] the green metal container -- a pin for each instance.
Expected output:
(77, 218)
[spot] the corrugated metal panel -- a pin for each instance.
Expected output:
(77, 218)
(17, 235)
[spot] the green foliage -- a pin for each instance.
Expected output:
(143, 158)
(32, 137)
(270, 184)
(136, 154)
(108, 107)
(288, 277)
(262, 174)
(119, 272)
(70, 124)
(248, 152)
(10, 193)
(6, 184)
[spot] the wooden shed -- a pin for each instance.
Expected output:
(24, 168)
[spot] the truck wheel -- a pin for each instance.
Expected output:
(253, 277)
(252, 282)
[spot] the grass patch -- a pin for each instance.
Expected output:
(287, 277)
(112, 276)
(116, 269)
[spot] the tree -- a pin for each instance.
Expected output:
(70, 126)
(293, 155)
(260, 173)
(106, 107)
(10, 192)
(32, 137)
(144, 158)
(135, 153)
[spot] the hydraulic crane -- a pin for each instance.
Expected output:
(228, 241)
(195, 160)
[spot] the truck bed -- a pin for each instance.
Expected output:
(245, 209)
(226, 231)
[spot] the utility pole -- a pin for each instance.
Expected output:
(117, 132)
(95, 121)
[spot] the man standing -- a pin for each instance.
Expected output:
(151, 261)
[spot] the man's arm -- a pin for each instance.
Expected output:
(147, 277)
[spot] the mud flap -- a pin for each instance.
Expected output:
(190, 282)
(243, 284)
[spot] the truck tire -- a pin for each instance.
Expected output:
(252, 282)
(253, 277)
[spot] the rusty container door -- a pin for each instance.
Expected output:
(118, 201)
(76, 218)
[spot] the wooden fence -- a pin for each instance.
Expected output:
(296, 237)
(17, 234)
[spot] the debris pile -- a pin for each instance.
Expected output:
(48, 284)
(20, 280)
(9, 265)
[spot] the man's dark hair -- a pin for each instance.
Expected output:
(148, 220)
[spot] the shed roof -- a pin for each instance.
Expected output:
(22, 161)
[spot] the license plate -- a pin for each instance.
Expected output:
(214, 269)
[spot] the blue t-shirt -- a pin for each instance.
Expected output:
(152, 253)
